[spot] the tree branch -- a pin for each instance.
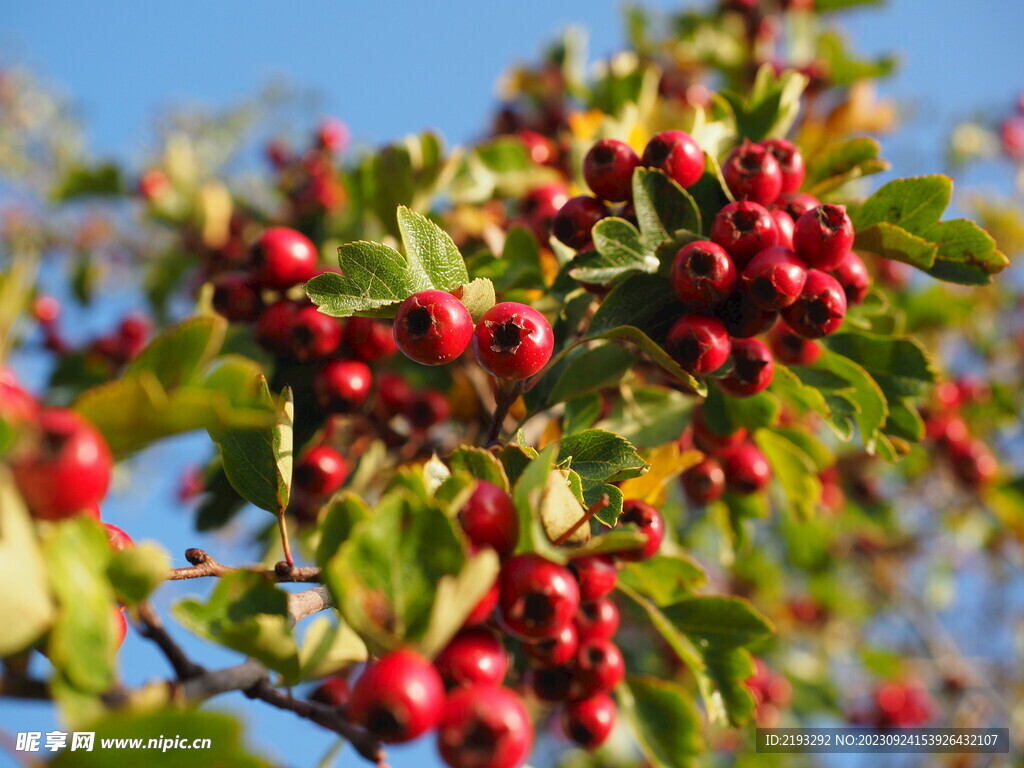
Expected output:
(151, 627)
(204, 565)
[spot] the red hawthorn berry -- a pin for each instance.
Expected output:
(473, 657)
(554, 651)
(774, 278)
(796, 204)
(120, 626)
(118, 538)
(321, 471)
(853, 276)
(237, 298)
(699, 343)
(823, 236)
(791, 162)
(892, 274)
(973, 463)
(154, 184)
(742, 318)
(590, 721)
(484, 727)
(704, 482)
(67, 470)
(394, 393)
(947, 429)
(540, 148)
(538, 598)
(398, 697)
(649, 522)
(596, 575)
(746, 469)
(341, 386)
(16, 405)
(46, 309)
(283, 257)
(369, 339)
(432, 327)
(484, 608)
(539, 206)
(132, 333)
(785, 227)
(274, 327)
(313, 334)
(676, 154)
(427, 408)
(608, 170)
(334, 692)
(490, 520)
(332, 135)
(549, 684)
(792, 349)
(597, 620)
(513, 341)
(702, 274)
(1011, 133)
(820, 309)
(752, 173)
(744, 229)
(753, 368)
(707, 440)
(575, 219)
(599, 668)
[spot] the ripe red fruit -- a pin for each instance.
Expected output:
(599, 667)
(334, 692)
(313, 334)
(820, 309)
(796, 204)
(154, 184)
(539, 147)
(575, 219)
(484, 608)
(597, 620)
(120, 626)
(398, 697)
(649, 522)
(793, 349)
(473, 657)
(321, 471)
(753, 368)
(853, 276)
(608, 169)
(742, 318)
(538, 598)
(427, 408)
(746, 469)
(274, 327)
(332, 135)
(341, 386)
(823, 236)
(590, 721)
(699, 343)
(549, 684)
(973, 463)
(709, 441)
(702, 274)
(46, 309)
(554, 651)
(394, 392)
(432, 327)
(539, 206)
(369, 339)
(752, 173)
(677, 154)
(785, 227)
(132, 333)
(489, 519)
(118, 538)
(596, 575)
(513, 341)
(774, 278)
(704, 482)
(237, 298)
(791, 162)
(947, 429)
(283, 257)
(744, 229)
(484, 727)
(67, 470)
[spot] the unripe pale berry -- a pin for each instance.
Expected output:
(677, 154)
(432, 327)
(744, 229)
(752, 173)
(513, 341)
(702, 274)
(823, 236)
(538, 598)
(649, 522)
(774, 278)
(398, 697)
(490, 520)
(753, 368)
(699, 343)
(820, 309)
(283, 257)
(608, 169)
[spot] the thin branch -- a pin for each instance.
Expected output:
(308, 602)
(507, 393)
(150, 626)
(18, 687)
(204, 565)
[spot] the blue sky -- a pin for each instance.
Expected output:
(388, 70)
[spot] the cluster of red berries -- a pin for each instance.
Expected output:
(730, 462)
(897, 704)
(772, 693)
(511, 341)
(970, 458)
(1011, 133)
(111, 350)
(310, 182)
(564, 621)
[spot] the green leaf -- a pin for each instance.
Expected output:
(433, 257)
(725, 622)
(893, 242)
(665, 579)
(901, 366)
(772, 106)
(967, 253)
(329, 647)
(258, 462)
(914, 203)
(374, 276)
(649, 416)
(477, 295)
(794, 469)
(520, 262)
(456, 598)
(135, 572)
(480, 463)
(838, 163)
(27, 611)
(600, 458)
(663, 208)
(843, 67)
(664, 720)
(869, 410)
(581, 413)
(640, 301)
(344, 512)
(619, 251)
(179, 354)
(725, 414)
(527, 495)
(249, 614)
(103, 180)
(588, 369)
(612, 542)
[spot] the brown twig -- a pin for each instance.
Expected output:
(204, 565)
(591, 511)
(507, 393)
(151, 627)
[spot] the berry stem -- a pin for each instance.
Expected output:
(282, 526)
(507, 393)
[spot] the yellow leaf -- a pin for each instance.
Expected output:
(667, 462)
